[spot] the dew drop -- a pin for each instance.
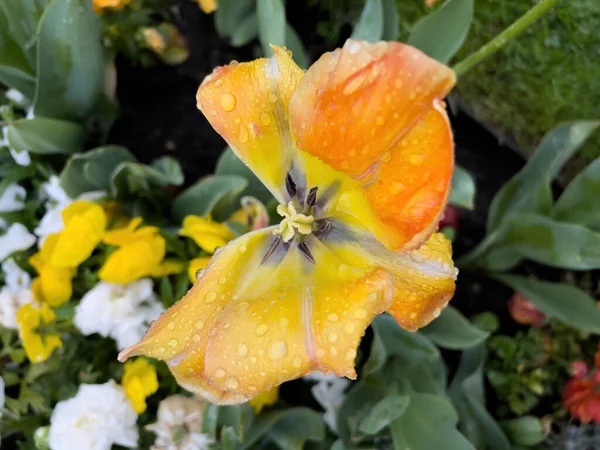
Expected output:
(232, 383)
(261, 329)
(350, 327)
(265, 118)
(172, 343)
(210, 297)
(171, 326)
(219, 83)
(228, 102)
(333, 350)
(297, 361)
(242, 248)
(251, 388)
(333, 317)
(379, 120)
(220, 373)
(277, 350)
(196, 338)
(199, 325)
(272, 97)
(360, 313)
(222, 280)
(243, 136)
(242, 350)
(332, 337)
(351, 354)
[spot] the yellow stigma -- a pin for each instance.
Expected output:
(292, 222)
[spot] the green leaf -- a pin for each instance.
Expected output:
(170, 168)
(212, 195)
(230, 14)
(93, 169)
(527, 431)
(370, 23)
(271, 23)
(133, 179)
(357, 405)
(294, 43)
(384, 412)
(246, 31)
(529, 190)
(230, 164)
(579, 201)
(441, 33)
(391, 21)
(70, 61)
(392, 340)
(238, 417)
(566, 303)
(228, 438)
(541, 239)
(451, 330)
(428, 423)
(43, 135)
(463, 189)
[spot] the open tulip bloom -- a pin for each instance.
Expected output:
(359, 153)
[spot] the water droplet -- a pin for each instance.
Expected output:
(242, 350)
(413, 315)
(222, 280)
(277, 350)
(243, 136)
(332, 337)
(350, 327)
(297, 361)
(283, 323)
(354, 47)
(379, 120)
(227, 102)
(333, 317)
(360, 313)
(272, 97)
(333, 350)
(219, 83)
(265, 118)
(261, 329)
(242, 248)
(243, 306)
(253, 359)
(210, 297)
(171, 326)
(199, 274)
(251, 387)
(220, 373)
(172, 343)
(351, 354)
(161, 350)
(232, 383)
(199, 325)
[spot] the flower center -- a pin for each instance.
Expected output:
(293, 222)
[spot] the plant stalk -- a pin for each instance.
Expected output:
(520, 25)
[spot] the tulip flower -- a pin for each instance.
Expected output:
(358, 151)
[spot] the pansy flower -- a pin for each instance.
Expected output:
(359, 153)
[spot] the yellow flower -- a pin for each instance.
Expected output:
(267, 398)
(168, 268)
(195, 265)
(99, 5)
(207, 6)
(358, 151)
(140, 253)
(139, 381)
(166, 42)
(53, 285)
(38, 347)
(253, 214)
(85, 223)
(207, 233)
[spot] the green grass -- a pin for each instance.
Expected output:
(549, 74)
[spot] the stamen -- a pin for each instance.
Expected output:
(290, 186)
(311, 198)
(306, 252)
(272, 249)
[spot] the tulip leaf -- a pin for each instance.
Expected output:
(579, 201)
(294, 43)
(391, 21)
(246, 31)
(44, 136)
(451, 330)
(526, 431)
(93, 169)
(70, 61)
(463, 189)
(370, 23)
(271, 24)
(139, 180)
(230, 14)
(441, 33)
(357, 405)
(438, 431)
(170, 168)
(15, 70)
(564, 302)
(230, 164)
(529, 190)
(543, 240)
(212, 195)
(383, 413)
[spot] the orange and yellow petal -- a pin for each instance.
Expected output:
(247, 104)
(195, 265)
(29, 318)
(373, 112)
(134, 261)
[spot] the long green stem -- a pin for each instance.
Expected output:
(520, 25)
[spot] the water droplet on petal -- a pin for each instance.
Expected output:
(333, 350)
(172, 343)
(265, 118)
(297, 361)
(242, 350)
(273, 97)
(210, 297)
(199, 325)
(360, 313)
(261, 329)
(351, 354)
(332, 337)
(219, 83)
(170, 326)
(333, 317)
(277, 350)
(196, 338)
(243, 136)
(350, 327)
(227, 102)
(222, 280)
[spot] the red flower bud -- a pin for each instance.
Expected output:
(579, 369)
(450, 218)
(524, 312)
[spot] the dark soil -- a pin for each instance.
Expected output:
(159, 116)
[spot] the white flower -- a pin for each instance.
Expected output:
(17, 97)
(99, 416)
(12, 199)
(17, 238)
(2, 397)
(179, 425)
(122, 312)
(329, 392)
(15, 294)
(21, 157)
(57, 200)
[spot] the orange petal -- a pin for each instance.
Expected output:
(247, 104)
(372, 111)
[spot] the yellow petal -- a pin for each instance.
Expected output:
(139, 381)
(247, 104)
(122, 235)
(267, 398)
(208, 6)
(133, 261)
(75, 243)
(245, 327)
(195, 265)
(207, 234)
(166, 268)
(55, 286)
(29, 318)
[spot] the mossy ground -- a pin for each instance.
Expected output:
(549, 74)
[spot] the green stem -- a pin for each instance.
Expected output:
(520, 25)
